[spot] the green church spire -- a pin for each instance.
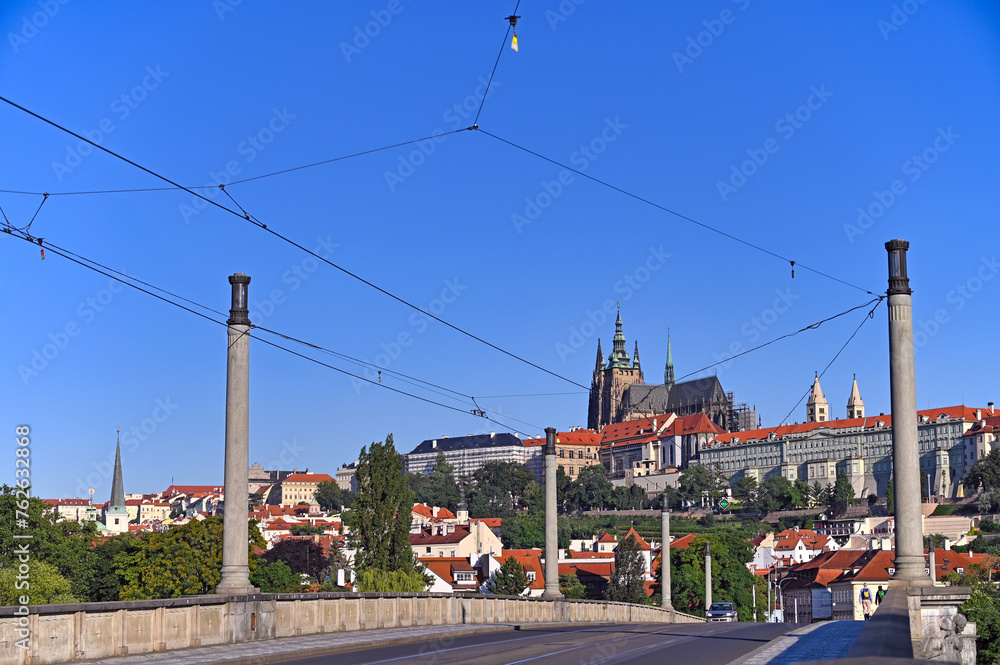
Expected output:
(668, 373)
(619, 356)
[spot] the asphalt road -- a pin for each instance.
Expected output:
(703, 644)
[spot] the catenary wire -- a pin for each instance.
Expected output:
(673, 212)
(110, 272)
(503, 45)
(869, 315)
(260, 224)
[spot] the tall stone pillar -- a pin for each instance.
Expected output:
(235, 525)
(665, 599)
(909, 561)
(708, 575)
(551, 525)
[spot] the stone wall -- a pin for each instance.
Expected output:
(85, 631)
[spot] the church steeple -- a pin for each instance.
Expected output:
(619, 356)
(600, 357)
(117, 487)
(635, 356)
(668, 373)
(855, 407)
(817, 408)
(116, 514)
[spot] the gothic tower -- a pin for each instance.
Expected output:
(611, 380)
(817, 408)
(116, 514)
(855, 407)
(668, 373)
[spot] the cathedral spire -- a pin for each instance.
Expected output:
(668, 373)
(635, 356)
(600, 357)
(117, 488)
(619, 356)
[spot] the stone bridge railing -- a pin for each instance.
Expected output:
(84, 631)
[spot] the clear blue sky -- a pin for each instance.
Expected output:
(874, 108)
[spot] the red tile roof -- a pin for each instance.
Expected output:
(579, 437)
(446, 567)
(425, 537)
(962, 412)
(683, 542)
(643, 545)
(531, 560)
(492, 522)
(308, 478)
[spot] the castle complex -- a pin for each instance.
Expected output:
(619, 392)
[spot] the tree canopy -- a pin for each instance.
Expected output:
(331, 498)
(627, 582)
(509, 579)
(382, 511)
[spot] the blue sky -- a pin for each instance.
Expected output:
(811, 131)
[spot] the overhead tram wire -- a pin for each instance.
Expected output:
(868, 316)
(128, 281)
(475, 123)
(256, 222)
(708, 227)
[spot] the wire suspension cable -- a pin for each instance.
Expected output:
(674, 212)
(475, 123)
(869, 315)
(260, 224)
(128, 281)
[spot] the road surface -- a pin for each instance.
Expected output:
(702, 644)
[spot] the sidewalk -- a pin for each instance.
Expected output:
(819, 641)
(287, 648)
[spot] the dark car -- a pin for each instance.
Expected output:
(721, 612)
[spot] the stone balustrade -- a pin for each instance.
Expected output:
(85, 631)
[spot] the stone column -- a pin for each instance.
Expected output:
(708, 575)
(909, 561)
(665, 599)
(551, 526)
(235, 525)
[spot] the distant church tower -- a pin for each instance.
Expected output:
(611, 380)
(668, 372)
(817, 408)
(855, 407)
(116, 515)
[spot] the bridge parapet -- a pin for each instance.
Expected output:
(86, 631)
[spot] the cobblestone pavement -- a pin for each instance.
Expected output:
(819, 641)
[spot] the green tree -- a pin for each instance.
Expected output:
(731, 581)
(184, 561)
(594, 488)
(745, 489)
(276, 577)
(840, 497)
(509, 579)
(989, 501)
(306, 530)
(373, 579)
(444, 489)
(331, 498)
(382, 512)
(44, 586)
(255, 499)
(627, 584)
(818, 494)
(524, 531)
(571, 587)
(500, 489)
(890, 497)
(106, 580)
(985, 473)
(697, 481)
